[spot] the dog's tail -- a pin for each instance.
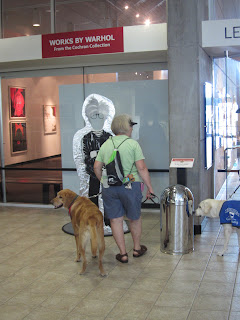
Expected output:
(94, 241)
(101, 245)
(100, 237)
(97, 238)
(97, 242)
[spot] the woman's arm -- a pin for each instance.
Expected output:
(98, 169)
(144, 173)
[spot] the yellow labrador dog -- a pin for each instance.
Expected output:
(87, 220)
(211, 208)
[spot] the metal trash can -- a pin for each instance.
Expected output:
(176, 220)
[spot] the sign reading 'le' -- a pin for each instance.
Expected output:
(232, 33)
(82, 42)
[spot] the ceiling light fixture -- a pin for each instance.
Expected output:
(126, 7)
(36, 18)
(137, 15)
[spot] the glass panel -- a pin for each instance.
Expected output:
(38, 140)
(19, 17)
(74, 15)
(147, 102)
(94, 14)
(160, 181)
(226, 104)
(39, 157)
(142, 94)
(232, 128)
(219, 94)
(71, 98)
(224, 9)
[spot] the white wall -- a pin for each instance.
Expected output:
(21, 48)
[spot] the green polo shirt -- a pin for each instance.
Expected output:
(130, 152)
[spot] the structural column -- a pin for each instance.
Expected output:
(189, 67)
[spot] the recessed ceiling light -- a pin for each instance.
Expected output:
(126, 7)
(137, 15)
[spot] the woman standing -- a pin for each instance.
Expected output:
(124, 199)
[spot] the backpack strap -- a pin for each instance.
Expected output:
(132, 167)
(119, 144)
(118, 147)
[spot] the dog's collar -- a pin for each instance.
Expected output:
(69, 208)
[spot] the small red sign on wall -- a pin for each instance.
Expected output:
(82, 42)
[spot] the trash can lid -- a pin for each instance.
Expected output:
(177, 194)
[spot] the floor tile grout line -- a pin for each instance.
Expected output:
(28, 285)
(135, 280)
(209, 256)
(235, 281)
(97, 286)
(204, 272)
(164, 286)
(49, 295)
(29, 265)
(16, 229)
(139, 274)
(25, 250)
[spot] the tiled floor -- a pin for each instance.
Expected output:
(39, 279)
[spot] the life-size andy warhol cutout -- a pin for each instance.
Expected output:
(98, 113)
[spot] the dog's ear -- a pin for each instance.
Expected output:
(206, 207)
(59, 194)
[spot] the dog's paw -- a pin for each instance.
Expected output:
(77, 260)
(220, 254)
(81, 272)
(94, 257)
(103, 274)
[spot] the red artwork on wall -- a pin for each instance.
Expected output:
(18, 137)
(17, 102)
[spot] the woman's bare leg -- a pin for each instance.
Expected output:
(136, 232)
(118, 234)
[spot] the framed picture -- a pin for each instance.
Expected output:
(17, 103)
(18, 136)
(49, 119)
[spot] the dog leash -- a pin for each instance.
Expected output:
(69, 208)
(96, 195)
(153, 196)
